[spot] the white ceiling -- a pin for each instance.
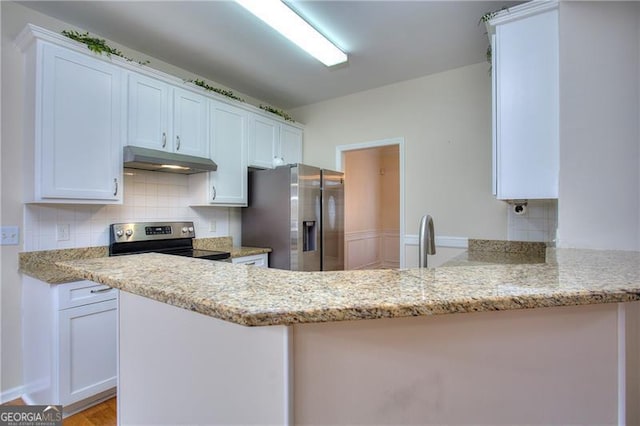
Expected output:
(387, 41)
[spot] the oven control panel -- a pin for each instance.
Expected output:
(149, 231)
(158, 230)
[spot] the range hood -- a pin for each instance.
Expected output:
(162, 161)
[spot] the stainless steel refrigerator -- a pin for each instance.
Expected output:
(298, 211)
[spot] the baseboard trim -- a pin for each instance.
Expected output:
(373, 265)
(11, 394)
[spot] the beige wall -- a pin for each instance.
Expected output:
(599, 203)
(372, 208)
(445, 120)
(371, 189)
(363, 190)
(390, 164)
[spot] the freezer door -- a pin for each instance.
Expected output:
(305, 218)
(266, 221)
(332, 221)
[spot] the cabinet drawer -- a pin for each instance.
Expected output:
(83, 293)
(259, 260)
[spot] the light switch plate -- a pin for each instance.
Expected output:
(10, 235)
(212, 225)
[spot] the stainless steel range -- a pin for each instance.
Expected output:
(158, 237)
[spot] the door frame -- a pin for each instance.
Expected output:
(342, 149)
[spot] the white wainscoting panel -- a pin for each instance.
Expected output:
(391, 249)
(363, 250)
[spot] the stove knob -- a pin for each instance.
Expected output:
(119, 233)
(128, 232)
(184, 230)
(191, 229)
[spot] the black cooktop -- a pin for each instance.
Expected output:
(200, 254)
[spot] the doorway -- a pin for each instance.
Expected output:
(374, 203)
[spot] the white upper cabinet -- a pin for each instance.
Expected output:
(73, 135)
(290, 144)
(190, 123)
(148, 113)
(264, 136)
(165, 117)
(526, 101)
(227, 186)
(82, 108)
(273, 143)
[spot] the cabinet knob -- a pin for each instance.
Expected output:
(177, 143)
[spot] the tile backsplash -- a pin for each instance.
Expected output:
(148, 196)
(538, 223)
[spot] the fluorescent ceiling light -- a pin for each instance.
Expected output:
(288, 23)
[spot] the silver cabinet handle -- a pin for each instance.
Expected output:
(102, 290)
(115, 184)
(213, 188)
(177, 143)
(164, 139)
(250, 263)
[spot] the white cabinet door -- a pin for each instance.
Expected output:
(527, 106)
(78, 128)
(264, 137)
(88, 337)
(273, 143)
(290, 144)
(148, 113)
(190, 123)
(229, 150)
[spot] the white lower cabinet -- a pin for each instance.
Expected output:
(260, 260)
(87, 350)
(70, 343)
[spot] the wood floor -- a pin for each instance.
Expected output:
(103, 414)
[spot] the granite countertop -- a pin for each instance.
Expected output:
(42, 264)
(258, 296)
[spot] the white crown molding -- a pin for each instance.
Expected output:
(31, 33)
(521, 11)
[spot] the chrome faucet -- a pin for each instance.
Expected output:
(426, 243)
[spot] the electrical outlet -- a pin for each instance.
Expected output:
(64, 232)
(212, 225)
(10, 235)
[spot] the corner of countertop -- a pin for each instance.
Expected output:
(42, 264)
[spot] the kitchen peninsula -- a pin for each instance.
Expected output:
(186, 355)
